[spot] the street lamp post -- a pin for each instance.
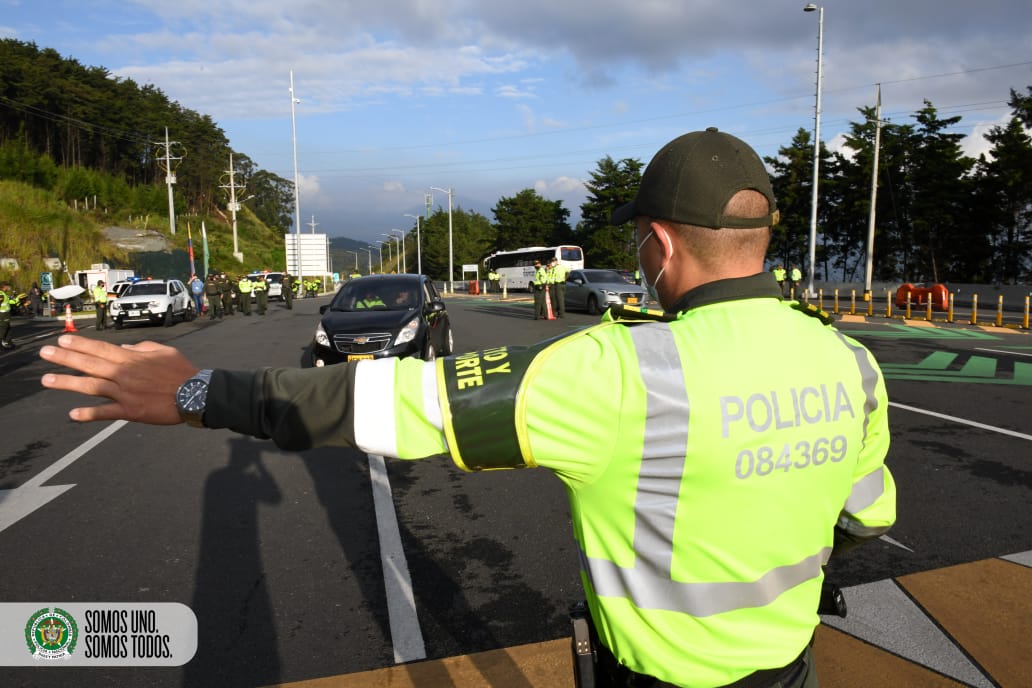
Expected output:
(404, 256)
(816, 142)
(297, 191)
(419, 246)
(369, 250)
(380, 249)
(451, 254)
(390, 252)
(356, 258)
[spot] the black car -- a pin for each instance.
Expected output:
(382, 315)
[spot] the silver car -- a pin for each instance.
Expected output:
(597, 290)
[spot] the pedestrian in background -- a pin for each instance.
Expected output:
(36, 300)
(197, 290)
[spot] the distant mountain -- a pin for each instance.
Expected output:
(344, 261)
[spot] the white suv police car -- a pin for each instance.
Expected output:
(153, 301)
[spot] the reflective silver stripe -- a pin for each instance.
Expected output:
(375, 432)
(868, 378)
(431, 400)
(665, 446)
(650, 591)
(866, 491)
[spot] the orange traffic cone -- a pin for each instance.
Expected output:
(69, 323)
(548, 303)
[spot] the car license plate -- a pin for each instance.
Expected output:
(134, 314)
(360, 357)
(632, 299)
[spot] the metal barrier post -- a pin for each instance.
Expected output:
(1024, 320)
(999, 310)
(852, 302)
(888, 304)
(974, 309)
(949, 310)
(870, 303)
(907, 316)
(928, 311)
(820, 298)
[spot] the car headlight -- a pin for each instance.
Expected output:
(114, 308)
(321, 338)
(408, 333)
(609, 293)
(153, 304)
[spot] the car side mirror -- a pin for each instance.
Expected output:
(577, 280)
(435, 307)
(324, 308)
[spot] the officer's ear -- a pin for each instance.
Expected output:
(666, 236)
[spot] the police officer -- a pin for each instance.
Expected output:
(260, 290)
(796, 275)
(244, 289)
(228, 292)
(559, 273)
(288, 290)
(212, 291)
(493, 278)
(7, 302)
(704, 517)
(540, 281)
(100, 303)
(779, 277)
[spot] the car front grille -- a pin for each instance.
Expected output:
(133, 305)
(361, 343)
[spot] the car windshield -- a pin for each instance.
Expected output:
(145, 289)
(375, 296)
(602, 276)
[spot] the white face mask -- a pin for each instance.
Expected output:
(650, 288)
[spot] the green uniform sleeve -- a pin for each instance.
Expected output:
(295, 408)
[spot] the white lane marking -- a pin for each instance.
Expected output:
(982, 426)
(401, 603)
(1007, 353)
(18, 503)
(897, 543)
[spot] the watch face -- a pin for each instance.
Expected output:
(191, 396)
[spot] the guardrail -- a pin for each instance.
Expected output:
(1019, 318)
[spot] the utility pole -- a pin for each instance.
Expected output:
(169, 162)
(234, 206)
(874, 198)
(297, 186)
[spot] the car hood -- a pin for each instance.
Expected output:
(365, 320)
(619, 287)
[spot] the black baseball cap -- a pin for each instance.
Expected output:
(692, 178)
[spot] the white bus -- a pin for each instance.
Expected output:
(516, 268)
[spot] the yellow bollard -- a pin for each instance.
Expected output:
(974, 309)
(852, 302)
(505, 290)
(999, 310)
(888, 304)
(1024, 320)
(949, 311)
(869, 297)
(835, 311)
(907, 316)
(928, 310)
(820, 299)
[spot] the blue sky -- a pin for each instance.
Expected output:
(491, 97)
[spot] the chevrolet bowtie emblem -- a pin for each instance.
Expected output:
(361, 340)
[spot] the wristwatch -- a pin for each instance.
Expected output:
(191, 398)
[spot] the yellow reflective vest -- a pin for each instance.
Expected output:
(703, 503)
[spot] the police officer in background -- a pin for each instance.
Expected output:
(100, 303)
(287, 289)
(260, 289)
(540, 284)
(212, 290)
(7, 302)
(558, 274)
(244, 288)
(703, 518)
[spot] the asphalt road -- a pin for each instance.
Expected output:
(279, 554)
